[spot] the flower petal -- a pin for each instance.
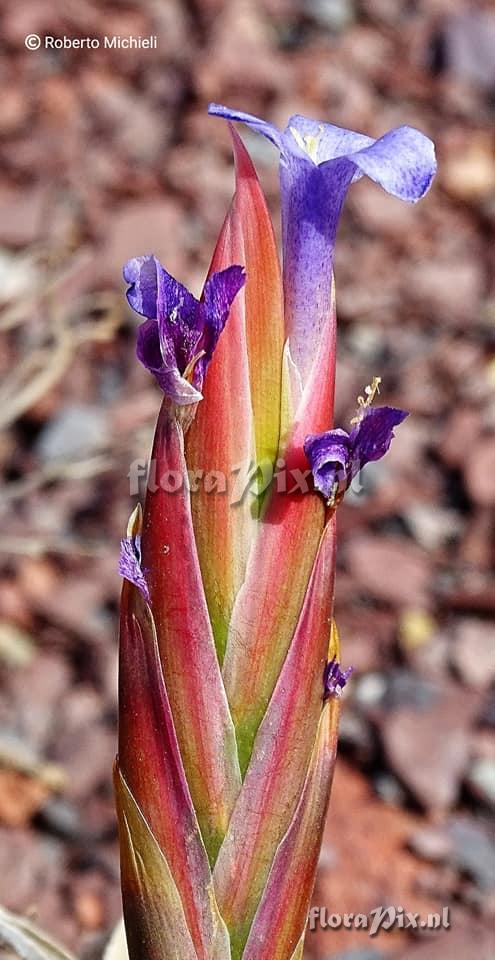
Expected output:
(335, 679)
(153, 292)
(148, 346)
(268, 130)
(318, 163)
(219, 292)
(142, 295)
(372, 437)
(326, 140)
(148, 350)
(167, 339)
(328, 454)
(130, 564)
(309, 217)
(180, 332)
(311, 205)
(402, 162)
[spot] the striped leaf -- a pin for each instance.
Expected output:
(280, 758)
(151, 767)
(237, 423)
(281, 561)
(187, 651)
(277, 930)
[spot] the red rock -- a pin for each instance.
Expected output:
(459, 435)
(476, 546)
(429, 748)
(479, 471)
(140, 228)
(473, 653)
(14, 111)
(469, 172)
(365, 863)
(469, 38)
(20, 798)
(390, 569)
(452, 289)
(21, 215)
(472, 943)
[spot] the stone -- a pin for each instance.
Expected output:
(473, 652)
(76, 432)
(390, 569)
(428, 745)
(480, 779)
(479, 472)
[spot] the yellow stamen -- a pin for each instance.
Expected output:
(334, 644)
(364, 402)
(135, 522)
(189, 371)
(309, 142)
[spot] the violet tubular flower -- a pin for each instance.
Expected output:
(178, 337)
(130, 554)
(334, 679)
(318, 163)
(336, 456)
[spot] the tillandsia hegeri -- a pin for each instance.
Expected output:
(230, 672)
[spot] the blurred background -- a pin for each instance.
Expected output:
(108, 154)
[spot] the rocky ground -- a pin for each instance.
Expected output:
(109, 153)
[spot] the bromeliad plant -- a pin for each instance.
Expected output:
(229, 657)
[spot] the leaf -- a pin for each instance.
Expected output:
(281, 560)
(27, 940)
(276, 930)
(189, 662)
(280, 759)
(151, 766)
(155, 921)
(237, 423)
(298, 952)
(264, 303)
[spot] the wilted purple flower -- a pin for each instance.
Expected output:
(130, 554)
(336, 456)
(334, 679)
(319, 161)
(177, 340)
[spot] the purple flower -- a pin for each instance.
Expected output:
(177, 340)
(334, 679)
(130, 563)
(319, 161)
(335, 457)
